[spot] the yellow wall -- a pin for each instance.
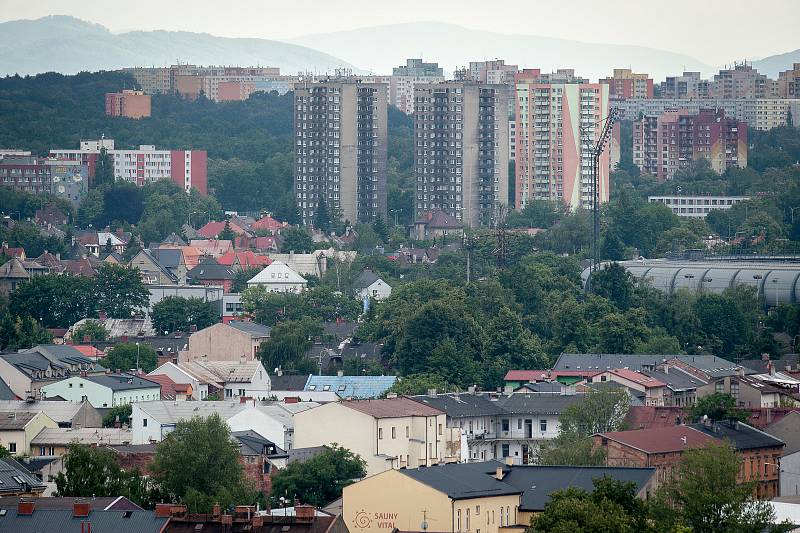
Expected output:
(392, 499)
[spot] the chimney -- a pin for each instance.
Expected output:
(683, 440)
(498, 473)
(471, 389)
(25, 507)
(340, 373)
(216, 511)
(391, 396)
(101, 314)
(291, 399)
(279, 371)
(770, 368)
(432, 393)
(80, 509)
(304, 513)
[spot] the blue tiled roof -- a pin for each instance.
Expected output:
(352, 386)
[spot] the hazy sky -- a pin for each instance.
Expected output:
(714, 31)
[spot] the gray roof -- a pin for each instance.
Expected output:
(252, 443)
(157, 262)
(5, 392)
(169, 257)
(539, 482)
(102, 503)
(461, 405)
(173, 412)
(288, 382)
(253, 329)
(59, 412)
(120, 382)
(15, 479)
(212, 271)
(61, 520)
(88, 436)
(539, 404)
(365, 279)
(714, 366)
(542, 387)
(534, 483)
(304, 454)
(740, 435)
(788, 430)
(14, 421)
(676, 379)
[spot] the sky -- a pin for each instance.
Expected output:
(714, 31)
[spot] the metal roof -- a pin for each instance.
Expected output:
(89, 436)
(63, 521)
(661, 439)
(740, 435)
(5, 392)
(15, 479)
(254, 329)
(392, 408)
(360, 387)
(14, 421)
(120, 382)
(60, 412)
(461, 405)
(541, 404)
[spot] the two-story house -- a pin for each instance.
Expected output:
(107, 390)
(17, 430)
(151, 269)
(244, 378)
(653, 389)
(750, 392)
(26, 372)
(389, 433)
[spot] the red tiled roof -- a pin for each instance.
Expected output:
(246, 259)
(268, 223)
(391, 408)
(213, 228)
(637, 377)
(89, 351)
(662, 440)
(648, 416)
(168, 387)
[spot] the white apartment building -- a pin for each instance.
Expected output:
(696, 206)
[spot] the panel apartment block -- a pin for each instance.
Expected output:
(666, 143)
(340, 133)
(553, 158)
(461, 150)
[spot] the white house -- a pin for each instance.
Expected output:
(109, 390)
(369, 285)
(178, 375)
(235, 379)
(152, 421)
(279, 277)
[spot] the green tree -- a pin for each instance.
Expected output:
(322, 216)
(58, 301)
(381, 229)
(319, 480)
(183, 460)
(709, 498)
(175, 313)
(296, 240)
(89, 471)
(92, 330)
(25, 332)
(119, 290)
(123, 357)
(121, 411)
(415, 384)
(104, 169)
(614, 283)
(242, 276)
(287, 346)
(227, 233)
(717, 406)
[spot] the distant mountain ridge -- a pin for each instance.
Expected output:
(773, 65)
(69, 45)
(452, 46)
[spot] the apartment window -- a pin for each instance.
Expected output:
(519, 423)
(543, 425)
(458, 520)
(440, 429)
(406, 431)
(467, 519)
(394, 432)
(380, 433)
(241, 392)
(505, 450)
(508, 516)
(41, 450)
(505, 424)
(229, 393)
(501, 517)
(477, 511)
(144, 422)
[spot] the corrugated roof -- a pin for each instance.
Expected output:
(224, 371)
(118, 382)
(360, 387)
(102, 503)
(254, 329)
(60, 412)
(638, 377)
(740, 435)
(61, 520)
(541, 404)
(15, 479)
(662, 439)
(392, 408)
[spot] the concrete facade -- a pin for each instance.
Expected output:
(223, 342)
(100, 395)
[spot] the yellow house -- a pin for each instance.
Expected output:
(389, 433)
(18, 428)
(486, 497)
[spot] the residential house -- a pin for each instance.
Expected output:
(95, 242)
(210, 272)
(389, 433)
(434, 224)
(661, 448)
(351, 387)
(15, 271)
(475, 416)
(171, 390)
(760, 454)
(17, 481)
(652, 388)
(17, 430)
(244, 260)
(269, 224)
(681, 386)
(151, 269)
(749, 392)
(704, 367)
(232, 307)
(369, 285)
(27, 371)
(279, 277)
(267, 244)
(236, 379)
(490, 496)
(787, 429)
(514, 379)
(65, 414)
(213, 228)
(314, 263)
(51, 214)
(11, 251)
(260, 458)
(107, 390)
(226, 342)
(55, 442)
(173, 239)
(199, 387)
(152, 421)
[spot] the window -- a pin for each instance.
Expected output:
(508, 516)
(229, 393)
(380, 433)
(543, 425)
(505, 424)
(458, 520)
(41, 450)
(241, 392)
(519, 423)
(12, 447)
(394, 432)
(505, 450)
(326, 387)
(440, 429)
(467, 519)
(144, 422)
(477, 509)
(406, 431)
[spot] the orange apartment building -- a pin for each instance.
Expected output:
(130, 104)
